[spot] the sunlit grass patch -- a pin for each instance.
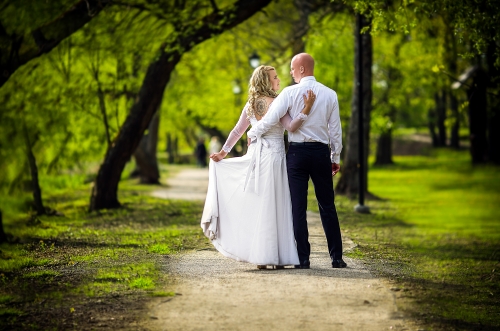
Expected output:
(160, 249)
(42, 227)
(97, 254)
(5, 298)
(355, 254)
(41, 274)
(6, 312)
(143, 283)
(15, 257)
(98, 289)
(115, 278)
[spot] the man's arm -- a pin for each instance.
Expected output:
(335, 133)
(276, 111)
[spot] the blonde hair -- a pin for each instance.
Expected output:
(260, 86)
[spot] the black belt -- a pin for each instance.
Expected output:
(305, 143)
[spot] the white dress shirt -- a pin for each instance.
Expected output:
(322, 124)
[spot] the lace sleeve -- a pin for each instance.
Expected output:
(292, 125)
(238, 130)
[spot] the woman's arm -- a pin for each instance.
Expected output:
(293, 125)
(238, 130)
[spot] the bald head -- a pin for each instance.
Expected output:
(302, 65)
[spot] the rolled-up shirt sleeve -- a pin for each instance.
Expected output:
(335, 133)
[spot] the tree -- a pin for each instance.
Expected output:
(3, 236)
(145, 154)
(349, 181)
(186, 36)
(476, 81)
(494, 105)
(17, 50)
(391, 98)
(35, 184)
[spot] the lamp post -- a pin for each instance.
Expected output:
(254, 60)
(360, 207)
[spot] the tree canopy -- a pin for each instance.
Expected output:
(73, 91)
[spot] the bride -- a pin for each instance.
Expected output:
(248, 211)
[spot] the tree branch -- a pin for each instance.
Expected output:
(104, 191)
(22, 49)
(214, 5)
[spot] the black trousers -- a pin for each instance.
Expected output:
(312, 160)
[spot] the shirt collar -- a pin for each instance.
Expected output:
(307, 79)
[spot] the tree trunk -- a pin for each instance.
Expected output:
(494, 133)
(37, 192)
(175, 145)
(384, 148)
(300, 27)
(349, 182)
(431, 121)
(145, 154)
(493, 105)
(478, 117)
(455, 128)
(170, 149)
(440, 99)
(451, 59)
(104, 192)
(3, 236)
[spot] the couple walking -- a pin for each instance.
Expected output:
(255, 210)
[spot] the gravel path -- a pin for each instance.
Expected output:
(216, 293)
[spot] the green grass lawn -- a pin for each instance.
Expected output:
(436, 232)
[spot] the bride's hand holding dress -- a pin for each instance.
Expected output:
(218, 156)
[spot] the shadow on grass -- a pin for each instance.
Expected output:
(452, 283)
(479, 185)
(449, 306)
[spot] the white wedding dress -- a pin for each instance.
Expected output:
(248, 211)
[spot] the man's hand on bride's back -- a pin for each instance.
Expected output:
(218, 156)
(308, 101)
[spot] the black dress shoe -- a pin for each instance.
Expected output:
(299, 266)
(303, 265)
(339, 264)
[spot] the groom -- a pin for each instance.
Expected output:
(309, 155)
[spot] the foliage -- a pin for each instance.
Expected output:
(57, 96)
(334, 57)
(201, 87)
(472, 21)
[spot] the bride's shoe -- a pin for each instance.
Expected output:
(261, 266)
